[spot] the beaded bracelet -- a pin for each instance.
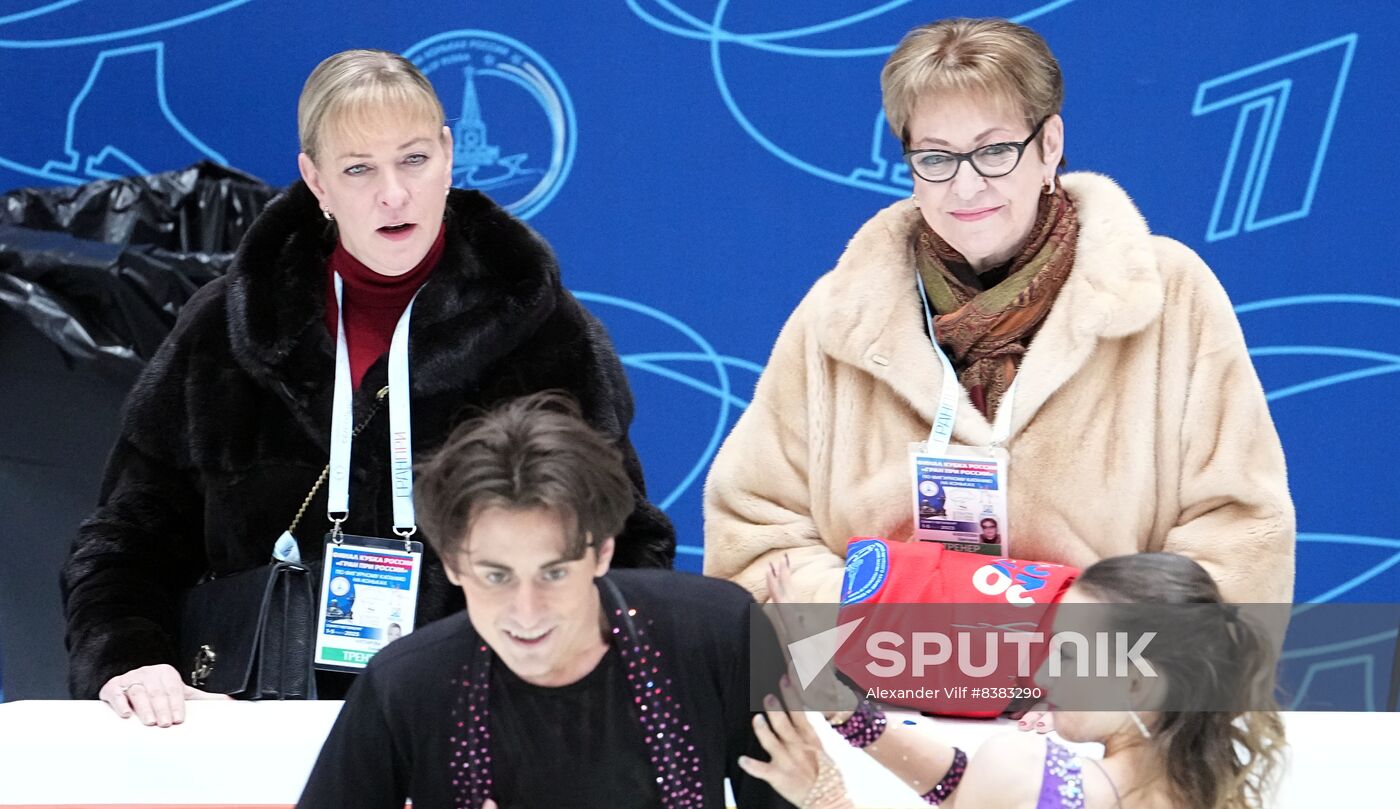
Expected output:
(863, 727)
(951, 779)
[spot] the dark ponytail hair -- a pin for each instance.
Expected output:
(1212, 759)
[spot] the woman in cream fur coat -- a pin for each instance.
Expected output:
(1138, 421)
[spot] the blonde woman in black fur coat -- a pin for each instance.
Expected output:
(229, 427)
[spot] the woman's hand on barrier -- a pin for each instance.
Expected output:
(155, 694)
(797, 768)
(825, 692)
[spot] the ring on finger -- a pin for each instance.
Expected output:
(125, 688)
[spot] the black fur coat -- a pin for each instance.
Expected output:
(228, 427)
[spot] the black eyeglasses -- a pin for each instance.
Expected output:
(992, 160)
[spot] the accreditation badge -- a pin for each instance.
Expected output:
(959, 497)
(369, 594)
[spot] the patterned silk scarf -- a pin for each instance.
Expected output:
(986, 331)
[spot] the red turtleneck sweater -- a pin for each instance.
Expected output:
(373, 303)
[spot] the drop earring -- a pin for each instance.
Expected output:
(326, 212)
(1050, 186)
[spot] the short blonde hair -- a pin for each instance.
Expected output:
(997, 60)
(354, 86)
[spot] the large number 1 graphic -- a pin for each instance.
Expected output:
(1308, 83)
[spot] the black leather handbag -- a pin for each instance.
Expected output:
(249, 635)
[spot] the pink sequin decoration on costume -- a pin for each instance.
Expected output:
(673, 754)
(471, 736)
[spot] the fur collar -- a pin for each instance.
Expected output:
(496, 282)
(870, 316)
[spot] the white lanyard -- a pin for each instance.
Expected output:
(942, 433)
(400, 425)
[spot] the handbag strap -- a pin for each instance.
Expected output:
(316, 487)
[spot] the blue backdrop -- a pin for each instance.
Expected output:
(698, 163)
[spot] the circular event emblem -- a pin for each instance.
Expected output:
(867, 567)
(340, 585)
(513, 128)
(928, 488)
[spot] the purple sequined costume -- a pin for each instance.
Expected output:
(1062, 785)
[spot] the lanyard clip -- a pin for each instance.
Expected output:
(337, 535)
(405, 534)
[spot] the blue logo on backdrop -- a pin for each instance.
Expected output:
(132, 80)
(125, 85)
(69, 23)
(513, 127)
(1313, 79)
(666, 349)
(857, 154)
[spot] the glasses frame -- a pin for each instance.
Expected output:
(966, 157)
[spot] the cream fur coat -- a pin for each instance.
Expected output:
(1139, 423)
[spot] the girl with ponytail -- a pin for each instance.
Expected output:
(1201, 732)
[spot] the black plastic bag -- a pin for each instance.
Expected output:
(103, 269)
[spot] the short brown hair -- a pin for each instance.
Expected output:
(999, 60)
(354, 85)
(531, 452)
